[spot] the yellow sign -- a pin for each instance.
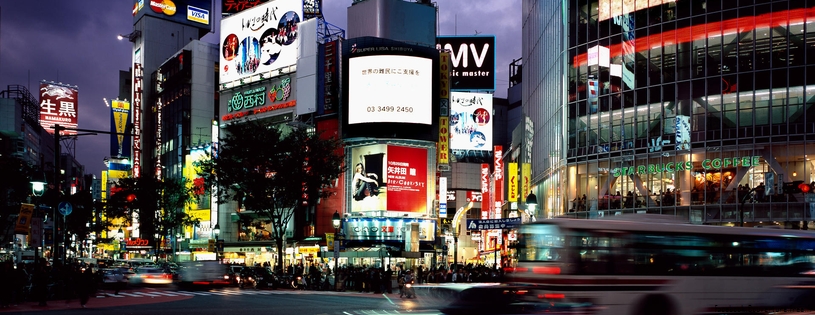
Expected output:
(444, 74)
(329, 240)
(512, 180)
(526, 179)
(24, 219)
(202, 215)
(444, 140)
(308, 250)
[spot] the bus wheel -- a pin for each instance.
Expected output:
(655, 304)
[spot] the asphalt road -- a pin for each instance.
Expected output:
(230, 301)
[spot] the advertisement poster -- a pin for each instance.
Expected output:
(388, 177)
(682, 132)
(58, 106)
(470, 121)
(512, 182)
(472, 59)
(119, 123)
(260, 39)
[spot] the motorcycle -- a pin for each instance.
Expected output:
(409, 293)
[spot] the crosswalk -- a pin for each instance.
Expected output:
(142, 293)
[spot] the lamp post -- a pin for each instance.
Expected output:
(37, 189)
(120, 235)
(531, 202)
(217, 232)
(335, 220)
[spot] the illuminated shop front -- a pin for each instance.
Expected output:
(682, 107)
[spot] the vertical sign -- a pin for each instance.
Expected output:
(444, 140)
(58, 106)
(512, 180)
(444, 91)
(119, 120)
(526, 178)
(331, 83)
(138, 76)
(442, 197)
(498, 161)
(24, 219)
(485, 191)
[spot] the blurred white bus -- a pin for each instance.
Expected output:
(639, 265)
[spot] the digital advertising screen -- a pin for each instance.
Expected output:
(388, 178)
(471, 121)
(390, 88)
(259, 39)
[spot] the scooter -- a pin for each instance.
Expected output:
(409, 293)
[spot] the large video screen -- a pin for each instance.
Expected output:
(388, 177)
(390, 88)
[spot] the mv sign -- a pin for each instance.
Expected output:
(473, 60)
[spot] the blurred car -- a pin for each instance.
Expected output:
(147, 275)
(115, 278)
(234, 274)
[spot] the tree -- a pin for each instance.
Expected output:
(15, 188)
(158, 204)
(270, 170)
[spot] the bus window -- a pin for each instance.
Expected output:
(540, 242)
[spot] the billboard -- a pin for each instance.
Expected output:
(329, 97)
(473, 61)
(270, 98)
(390, 88)
(194, 13)
(260, 39)
(58, 106)
(388, 229)
(388, 177)
(470, 121)
(229, 7)
(120, 125)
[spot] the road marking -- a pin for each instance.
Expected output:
(389, 299)
(114, 295)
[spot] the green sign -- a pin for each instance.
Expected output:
(674, 167)
(257, 97)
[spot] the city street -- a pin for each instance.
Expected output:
(172, 300)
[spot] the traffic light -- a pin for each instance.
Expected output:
(804, 187)
(211, 245)
(794, 187)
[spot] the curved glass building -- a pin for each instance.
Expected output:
(697, 108)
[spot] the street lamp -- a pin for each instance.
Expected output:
(38, 184)
(120, 235)
(531, 203)
(335, 220)
(217, 232)
(131, 37)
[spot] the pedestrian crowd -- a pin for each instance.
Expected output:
(40, 282)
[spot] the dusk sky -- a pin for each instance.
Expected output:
(74, 42)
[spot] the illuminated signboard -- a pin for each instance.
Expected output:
(674, 167)
(473, 61)
(119, 123)
(234, 6)
(389, 177)
(388, 229)
(259, 100)
(260, 39)
(194, 13)
(58, 106)
(390, 88)
(138, 77)
(471, 121)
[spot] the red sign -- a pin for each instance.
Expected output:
(58, 106)
(485, 191)
(138, 242)
(407, 179)
(498, 157)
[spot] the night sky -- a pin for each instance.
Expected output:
(74, 42)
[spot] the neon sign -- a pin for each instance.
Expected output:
(674, 167)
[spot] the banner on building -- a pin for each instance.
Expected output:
(526, 180)
(119, 123)
(442, 197)
(444, 141)
(498, 161)
(485, 191)
(512, 181)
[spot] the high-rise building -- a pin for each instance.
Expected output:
(700, 109)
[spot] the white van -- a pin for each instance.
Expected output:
(203, 273)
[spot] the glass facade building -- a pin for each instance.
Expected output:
(701, 109)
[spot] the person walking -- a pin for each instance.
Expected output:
(84, 283)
